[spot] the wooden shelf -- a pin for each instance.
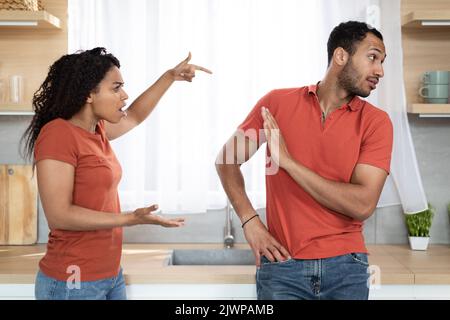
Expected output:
(430, 110)
(16, 113)
(6, 110)
(28, 19)
(425, 18)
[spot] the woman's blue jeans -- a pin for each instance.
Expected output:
(47, 288)
(342, 277)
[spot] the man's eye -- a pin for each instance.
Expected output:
(372, 57)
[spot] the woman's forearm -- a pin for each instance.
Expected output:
(78, 218)
(147, 101)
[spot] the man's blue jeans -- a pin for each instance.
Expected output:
(342, 277)
(47, 288)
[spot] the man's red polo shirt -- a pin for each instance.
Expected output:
(357, 132)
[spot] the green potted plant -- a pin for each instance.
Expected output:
(419, 225)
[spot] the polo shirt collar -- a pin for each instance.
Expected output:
(355, 104)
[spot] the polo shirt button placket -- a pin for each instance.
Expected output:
(322, 120)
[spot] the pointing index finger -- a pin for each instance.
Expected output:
(202, 69)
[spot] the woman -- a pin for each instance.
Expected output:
(78, 109)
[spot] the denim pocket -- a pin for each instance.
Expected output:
(360, 258)
(267, 262)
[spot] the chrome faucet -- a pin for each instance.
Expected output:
(228, 239)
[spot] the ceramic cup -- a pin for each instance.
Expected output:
(435, 77)
(433, 91)
(436, 100)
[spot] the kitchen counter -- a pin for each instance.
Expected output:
(147, 264)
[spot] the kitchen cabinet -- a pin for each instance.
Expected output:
(426, 46)
(191, 291)
(405, 274)
(29, 51)
(248, 292)
(234, 292)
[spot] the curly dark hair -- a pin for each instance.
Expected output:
(64, 92)
(347, 34)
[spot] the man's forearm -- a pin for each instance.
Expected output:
(234, 186)
(345, 198)
(147, 101)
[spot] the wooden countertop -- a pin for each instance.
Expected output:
(145, 264)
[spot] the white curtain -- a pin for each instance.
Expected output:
(405, 177)
(252, 46)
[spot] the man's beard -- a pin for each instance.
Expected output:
(348, 79)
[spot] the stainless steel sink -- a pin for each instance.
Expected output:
(212, 257)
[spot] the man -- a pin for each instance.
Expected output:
(332, 153)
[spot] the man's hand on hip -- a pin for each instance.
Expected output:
(262, 242)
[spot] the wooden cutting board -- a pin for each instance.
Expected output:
(18, 205)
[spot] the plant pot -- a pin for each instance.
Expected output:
(419, 243)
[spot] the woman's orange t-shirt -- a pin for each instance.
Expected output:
(95, 254)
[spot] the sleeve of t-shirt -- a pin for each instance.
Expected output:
(55, 141)
(376, 147)
(252, 127)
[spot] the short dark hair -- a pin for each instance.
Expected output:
(347, 34)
